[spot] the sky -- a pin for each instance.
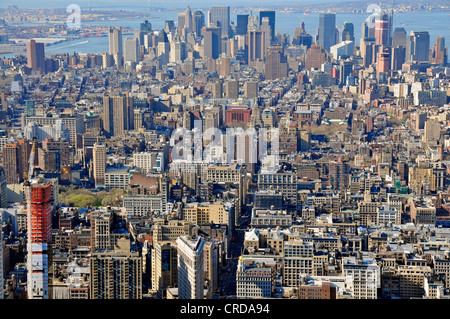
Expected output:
(154, 3)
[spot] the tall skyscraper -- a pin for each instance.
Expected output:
(383, 29)
(398, 57)
(367, 48)
(383, 64)
(315, 57)
(398, 53)
(241, 24)
(198, 20)
(169, 26)
(163, 48)
(190, 267)
(440, 52)
(367, 30)
(131, 50)
(255, 46)
(115, 41)
(327, 30)
(15, 160)
(39, 239)
(177, 50)
(345, 69)
(266, 28)
(301, 37)
(11, 163)
(418, 46)
(271, 16)
(220, 15)
(185, 20)
(399, 37)
(36, 56)
(276, 63)
(348, 32)
(118, 114)
(212, 42)
(251, 89)
(145, 26)
(99, 164)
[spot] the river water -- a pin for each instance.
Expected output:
(435, 22)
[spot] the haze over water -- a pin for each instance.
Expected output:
(435, 22)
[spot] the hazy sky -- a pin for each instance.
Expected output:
(153, 3)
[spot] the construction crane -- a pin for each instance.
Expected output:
(27, 184)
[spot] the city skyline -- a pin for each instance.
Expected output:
(225, 154)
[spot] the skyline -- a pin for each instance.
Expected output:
(250, 154)
(204, 4)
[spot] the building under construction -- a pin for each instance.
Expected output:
(39, 238)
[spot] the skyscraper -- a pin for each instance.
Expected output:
(190, 267)
(399, 37)
(145, 26)
(163, 47)
(212, 42)
(241, 24)
(345, 69)
(271, 16)
(118, 112)
(115, 41)
(185, 20)
(36, 56)
(276, 63)
(177, 50)
(255, 46)
(198, 20)
(315, 57)
(221, 16)
(327, 30)
(348, 33)
(11, 163)
(39, 239)
(383, 30)
(398, 57)
(383, 63)
(418, 46)
(440, 52)
(301, 37)
(367, 30)
(15, 160)
(99, 164)
(266, 28)
(131, 50)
